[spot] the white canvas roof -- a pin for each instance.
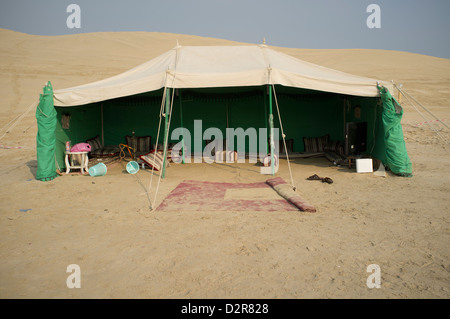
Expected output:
(219, 66)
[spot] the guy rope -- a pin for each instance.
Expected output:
(411, 100)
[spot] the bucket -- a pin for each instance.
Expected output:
(132, 167)
(98, 170)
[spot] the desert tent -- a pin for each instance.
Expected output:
(227, 86)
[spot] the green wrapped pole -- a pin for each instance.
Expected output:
(397, 158)
(265, 116)
(272, 143)
(166, 133)
(46, 139)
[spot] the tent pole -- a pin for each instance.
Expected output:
(265, 116)
(103, 130)
(181, 123)
(272, 143)
(228, 125)
(345, 111)
(166, 133)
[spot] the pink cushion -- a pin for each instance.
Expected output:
(81, 147)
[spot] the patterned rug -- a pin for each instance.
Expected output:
(211, 196)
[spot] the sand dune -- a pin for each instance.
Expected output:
(77, 59)
(124, 250)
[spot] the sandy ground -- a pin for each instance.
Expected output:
(124, 250)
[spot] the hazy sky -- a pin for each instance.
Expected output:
(419, 26)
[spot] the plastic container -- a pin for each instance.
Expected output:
(98, 170)
(132, 167)
(364, 165)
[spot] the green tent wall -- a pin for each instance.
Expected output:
(45, 139)
(397, 158)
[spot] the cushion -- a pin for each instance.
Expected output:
(226, 156)
(81, 147)
(143, 143)
(107, 151)
(335, 146)
(335, 158)
(267, 160)
(289, 146)
(95, 143)
(154, 160)
(315, 144)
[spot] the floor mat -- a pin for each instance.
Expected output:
(287, 192)
(105, 160)
(211, 196)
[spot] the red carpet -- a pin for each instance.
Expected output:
(285, 190)
(210, 196)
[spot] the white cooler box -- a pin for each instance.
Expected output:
(364, 165)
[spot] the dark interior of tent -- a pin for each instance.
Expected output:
(304, 114)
